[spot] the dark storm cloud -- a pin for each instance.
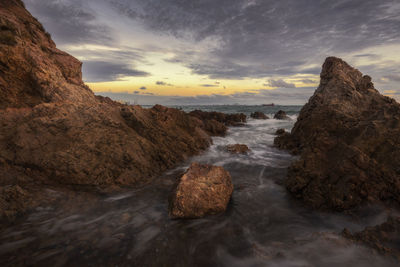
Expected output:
(70, 22)
(280, 83)
(268, 37)
(100, 71)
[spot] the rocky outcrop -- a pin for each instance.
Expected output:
(347, 136)
(384, 237)
(258, 115)
(54, 130)
(238, 149)
(281, 115)
(202, 190)
(32, 70)
(237, 119)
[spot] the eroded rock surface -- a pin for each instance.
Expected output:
(347, 136)
(238, 149)
(202, 190)
(258, 115)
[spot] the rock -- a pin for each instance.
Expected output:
(238, 149)
(202, 190)
(280, 132)
(345, 135)
(284, 141)
(281, 115)
(54, 130)
(13, 201)
(237, 119)
(259, 116)
(383, 238)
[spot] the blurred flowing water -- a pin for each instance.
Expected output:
(263, 225)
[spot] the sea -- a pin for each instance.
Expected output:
(263, 225)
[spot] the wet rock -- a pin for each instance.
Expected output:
(284, 141)
(238, 119)
(238, 149)
(383, 238)
(258, 115)
(202, 190)
(345, 135)
(13, 200)
(280, 132)
(281, 115)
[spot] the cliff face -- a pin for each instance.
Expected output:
(347, 136)
(33, 70)
(54, 130)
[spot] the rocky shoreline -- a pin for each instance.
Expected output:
(347, 139)
(55, 131)
(56, 134)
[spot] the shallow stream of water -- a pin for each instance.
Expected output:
(263, 226)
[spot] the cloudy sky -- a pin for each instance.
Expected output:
(223, 51)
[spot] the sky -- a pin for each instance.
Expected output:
(178, 52)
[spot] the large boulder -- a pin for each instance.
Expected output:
(237, 149)
(258, 115)
(281, 115)
(347, 136)
(202, 190)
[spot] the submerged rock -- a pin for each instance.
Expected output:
(347, 136)
(281, 115)
(384, 237)
(258, 115)
(202, 190)
(238, 149)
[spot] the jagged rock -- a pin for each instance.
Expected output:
(384, 237)
(238, 149)
(33, 71)
(54, 130)
(281, 115)
(237, 119)
(202, 190)
(258, 115)
(345, 135)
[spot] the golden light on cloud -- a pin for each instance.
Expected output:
(172, 78)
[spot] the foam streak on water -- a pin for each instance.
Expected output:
(263, 225)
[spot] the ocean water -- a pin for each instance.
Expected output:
(263, 225)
